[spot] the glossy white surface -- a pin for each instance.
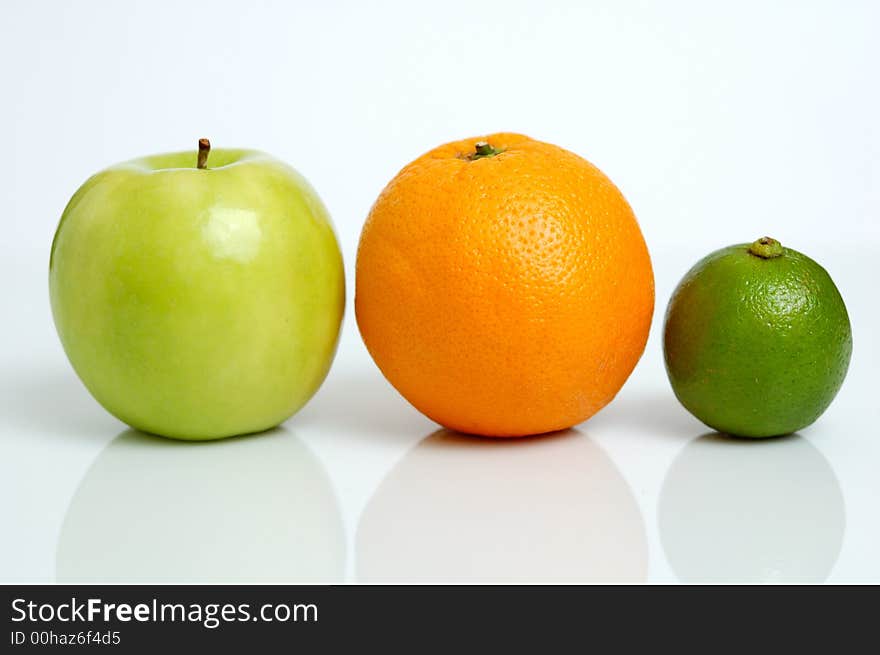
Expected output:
(719, 128)
(361, 487)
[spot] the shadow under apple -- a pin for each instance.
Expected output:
(254, 509)
(751, 511)
(53, 404)
(373, 408)
(460, 509)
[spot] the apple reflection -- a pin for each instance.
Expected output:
(257, 509)
(460, 509)
(768, 511)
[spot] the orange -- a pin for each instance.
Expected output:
(503, 286)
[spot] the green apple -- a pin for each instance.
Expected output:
(198, 299)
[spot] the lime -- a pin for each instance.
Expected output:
(757, 340)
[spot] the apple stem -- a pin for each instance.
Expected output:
(204, 149)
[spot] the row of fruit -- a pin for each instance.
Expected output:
(503, 287)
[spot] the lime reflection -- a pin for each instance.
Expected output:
(751, 511)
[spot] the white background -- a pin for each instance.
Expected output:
(721, 122)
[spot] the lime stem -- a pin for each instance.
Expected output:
(204, 149)
(766, 248)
